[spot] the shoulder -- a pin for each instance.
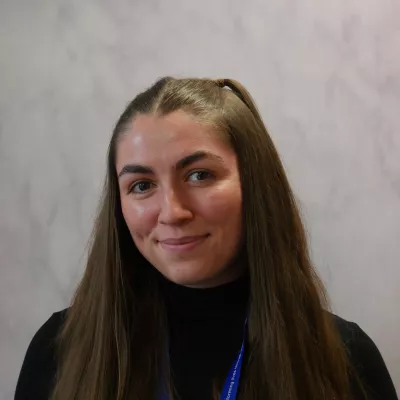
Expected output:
(348, 331)
(39, 365)
(49, 330)
(366, 360)
(44, 339)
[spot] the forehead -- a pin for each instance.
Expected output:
(152, 139)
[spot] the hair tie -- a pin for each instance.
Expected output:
(220, 82)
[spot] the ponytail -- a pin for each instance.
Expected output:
(240, 91)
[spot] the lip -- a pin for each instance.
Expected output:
(185, 243)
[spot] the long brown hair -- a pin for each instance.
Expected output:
(112, 344)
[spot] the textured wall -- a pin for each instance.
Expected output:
(326, 76)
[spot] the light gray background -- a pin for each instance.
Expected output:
(326, 76)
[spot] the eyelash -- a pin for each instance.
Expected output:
(202, 171)
(210, 175)
(136, 184)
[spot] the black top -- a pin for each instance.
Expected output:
(205, 336)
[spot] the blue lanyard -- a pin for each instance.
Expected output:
(231, 385)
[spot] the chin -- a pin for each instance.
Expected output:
(188, 280)
(189, 276)
(197, 280)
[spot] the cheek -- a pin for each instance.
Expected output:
(139, 218)
(224, 206)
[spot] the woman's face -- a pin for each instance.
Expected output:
(181, 198)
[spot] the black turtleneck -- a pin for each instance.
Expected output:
(206, 333)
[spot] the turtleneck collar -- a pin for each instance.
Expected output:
(220, 301)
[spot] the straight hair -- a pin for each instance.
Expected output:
(112, 344)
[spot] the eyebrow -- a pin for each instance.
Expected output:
(181, 164)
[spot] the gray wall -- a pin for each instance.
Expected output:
(324, 73)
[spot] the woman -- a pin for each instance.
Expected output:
(198, 283)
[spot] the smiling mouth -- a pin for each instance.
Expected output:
(182, 244)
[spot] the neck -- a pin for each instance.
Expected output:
(231, 275)
(208, 302)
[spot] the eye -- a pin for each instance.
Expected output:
(140, 187)
(200, 176)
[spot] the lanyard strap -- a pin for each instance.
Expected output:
(231, 385)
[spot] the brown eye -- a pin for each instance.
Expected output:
(140, 187)
(200, 176)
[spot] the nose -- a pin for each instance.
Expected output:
(173, 210)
